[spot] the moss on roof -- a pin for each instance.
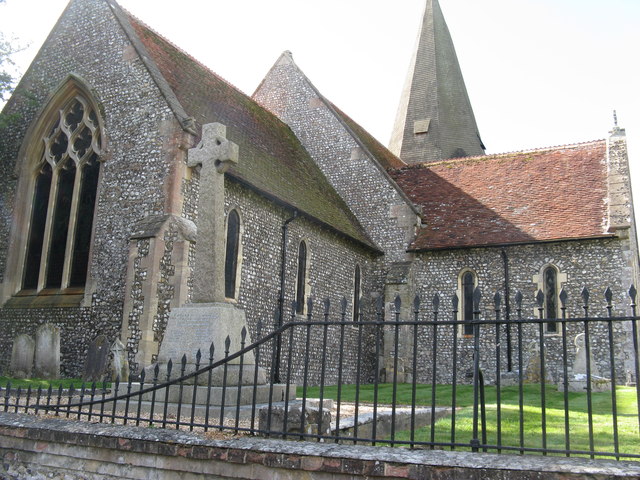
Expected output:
(272, 159)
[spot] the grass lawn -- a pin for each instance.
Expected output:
(602, 419)
(34, 383)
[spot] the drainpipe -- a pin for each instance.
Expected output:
(507, 307)
(275, 374)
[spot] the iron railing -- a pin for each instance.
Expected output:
(416, 382)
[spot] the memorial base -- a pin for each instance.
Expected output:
(197, 326)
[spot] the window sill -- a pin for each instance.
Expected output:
(48, 297)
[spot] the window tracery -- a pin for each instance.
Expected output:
(63, 198)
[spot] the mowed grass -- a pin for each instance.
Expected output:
(509, 434)
(35, 383)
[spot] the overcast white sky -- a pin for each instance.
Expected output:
(538, 72)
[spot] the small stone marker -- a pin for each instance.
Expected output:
(580, 363)
(577, 379)
(532, 372)
(47, 354)
(95, 365)
(22, 356)
(120, 361)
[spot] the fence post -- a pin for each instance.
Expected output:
(475, 442)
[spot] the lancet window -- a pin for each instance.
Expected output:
(301, 283)
(232, 254)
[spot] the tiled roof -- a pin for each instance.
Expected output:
(541, 195)
(272, 160)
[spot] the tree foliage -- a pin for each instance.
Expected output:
(6, 78)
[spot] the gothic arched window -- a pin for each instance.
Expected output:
(232, 254)
(65, 173)
(301, 283)
(468, 285)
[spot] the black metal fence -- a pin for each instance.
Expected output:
(513, 385)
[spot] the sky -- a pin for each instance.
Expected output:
(539, 73)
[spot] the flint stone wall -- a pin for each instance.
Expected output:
(132, 176)
(595, 264)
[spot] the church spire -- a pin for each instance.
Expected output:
(435, 120)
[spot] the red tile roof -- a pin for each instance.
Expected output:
(542, 195)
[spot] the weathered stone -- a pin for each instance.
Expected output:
(579, 378)
(273, 419)
(215, 154)
(47, 352)
(22, 356)
(96, 363)
(119, 361)
(195, 327)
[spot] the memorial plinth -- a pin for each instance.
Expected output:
(196, 326)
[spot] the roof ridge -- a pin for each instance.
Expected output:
(491, 156)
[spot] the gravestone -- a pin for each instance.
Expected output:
(95, 365)
(47, 354)
(580, 363)
(533, 370)
(22, 356)
(119, 361)
(577, 380)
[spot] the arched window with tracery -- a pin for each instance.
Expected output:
(64, 170)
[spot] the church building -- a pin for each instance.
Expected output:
(108, 214)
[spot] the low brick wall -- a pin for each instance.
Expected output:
(33, 448)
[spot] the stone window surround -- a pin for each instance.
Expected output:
(538, 279)
(29, 157)
(240, 258)
(460, 294)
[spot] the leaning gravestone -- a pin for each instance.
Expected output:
(47, 354)
(95, 365)
(119, 362)
(22, 356)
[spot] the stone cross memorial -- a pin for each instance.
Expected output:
(215, 154)
(209, 318)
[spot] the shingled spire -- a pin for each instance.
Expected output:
(435, 120)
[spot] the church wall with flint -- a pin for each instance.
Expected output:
(591, 264)
(139, 134)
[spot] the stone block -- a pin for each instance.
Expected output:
(293, 416)
(47, 352)
(22, 356)
(95, 365)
